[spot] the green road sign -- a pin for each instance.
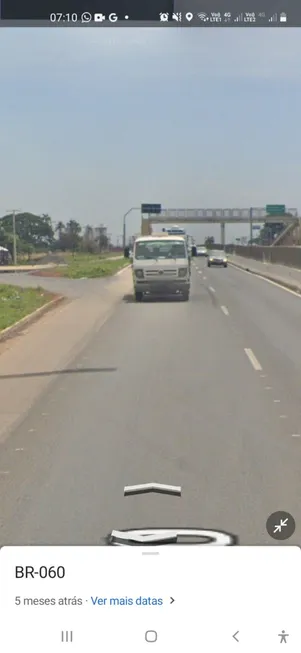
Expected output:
(150, 208)
(275, 209)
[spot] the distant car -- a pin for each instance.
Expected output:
(217, 257)
(201, 251)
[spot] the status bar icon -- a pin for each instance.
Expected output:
(203, 16)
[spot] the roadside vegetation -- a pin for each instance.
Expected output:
(40, 235)
(16, 303)
(90, 266)
(85, 266)
(69, 249)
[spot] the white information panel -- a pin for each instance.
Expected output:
(167, 599)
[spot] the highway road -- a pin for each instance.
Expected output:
(71, 288)
(203, 394)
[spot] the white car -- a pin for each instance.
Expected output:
(201, 251)
(217, 257)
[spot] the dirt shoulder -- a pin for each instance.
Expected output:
(38, 355)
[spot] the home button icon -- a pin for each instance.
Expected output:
(151, 636)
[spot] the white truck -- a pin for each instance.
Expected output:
(161, 266)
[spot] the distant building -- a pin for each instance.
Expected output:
(93, 234)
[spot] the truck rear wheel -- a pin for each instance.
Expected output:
(138, 296)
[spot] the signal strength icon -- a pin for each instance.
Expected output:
(239, 18)
(273, 18)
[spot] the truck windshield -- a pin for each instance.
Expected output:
(160, 249)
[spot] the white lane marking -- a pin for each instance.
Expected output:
(263, 376)
(19, 449)
(268, 387)
(205, 278)
(283, 416)
(3, 473)
(253, 360)
(276, 401)
(225, 310)
(212, 289)
(295, 435)
(200, 272)
(274, 283)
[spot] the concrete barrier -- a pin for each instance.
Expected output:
(290, 256)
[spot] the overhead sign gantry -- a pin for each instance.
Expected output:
(215, 216)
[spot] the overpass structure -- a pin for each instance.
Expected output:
(214, 216)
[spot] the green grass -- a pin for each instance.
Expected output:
(16, 303)
(90, 266)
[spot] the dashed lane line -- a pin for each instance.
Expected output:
(225, 310)
(253, 360)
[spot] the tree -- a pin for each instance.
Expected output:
(95, 239)
(73, 232)
(60, 229)
(103, 241)
(6, 239)
(35, 230)
(209, 241)
(89, 243)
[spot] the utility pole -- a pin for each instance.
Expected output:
(251, 225)
(14, 212)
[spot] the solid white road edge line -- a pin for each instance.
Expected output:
(274, 283)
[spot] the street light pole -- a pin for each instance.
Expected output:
(134, 208)
(14, 212)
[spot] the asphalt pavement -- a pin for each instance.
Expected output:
(204, 394)
(71, 288)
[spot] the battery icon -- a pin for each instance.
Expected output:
(283, 17)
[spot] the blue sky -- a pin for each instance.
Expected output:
(94, 121)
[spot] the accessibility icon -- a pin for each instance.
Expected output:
(281, 525)
(283, 637)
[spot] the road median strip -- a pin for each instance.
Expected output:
(85, 267)
(279, 280)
